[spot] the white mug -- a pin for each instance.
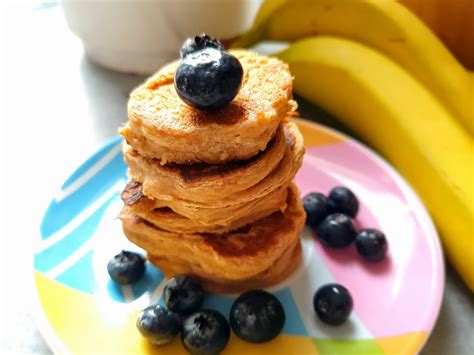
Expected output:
(138, 36)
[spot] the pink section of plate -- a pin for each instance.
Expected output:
(391, 297)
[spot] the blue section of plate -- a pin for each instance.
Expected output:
(67, 245)
(71, 221)
(92, 180)
(80, 275)
(115, 291)
(149, 282)
(100, 154)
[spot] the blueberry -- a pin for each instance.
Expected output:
(371, 244)
(158, 324)
(196, 43)
(183, 294)
(126, 267)
(205, 332)
(336, 231)
(343, 200)
(316, 208)
(333, 304)
(257, 316)
(208, 79)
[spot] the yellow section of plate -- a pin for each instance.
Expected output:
(393, 345)
(317, 137)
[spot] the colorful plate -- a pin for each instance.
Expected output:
(396, 302)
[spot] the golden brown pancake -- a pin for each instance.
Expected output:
(162, 126)
(281, 268)
(202, 220)
(193, 182)
(204, 185)
(230, 260)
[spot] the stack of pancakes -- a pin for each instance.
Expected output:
(212, 193)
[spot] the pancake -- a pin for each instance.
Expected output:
(282, 268)
(222, 215)
(162, 126)
(194, 182)
(202, 220)
(205, 185)
(227, 260)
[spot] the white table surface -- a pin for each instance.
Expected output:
(58, 107)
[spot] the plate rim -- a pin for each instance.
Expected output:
(56, 345)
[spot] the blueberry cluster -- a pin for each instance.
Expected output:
(256, 316)
(208, 77)
(332, 217)
(203, 331)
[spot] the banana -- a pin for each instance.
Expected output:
(394, 113)
(382, 24)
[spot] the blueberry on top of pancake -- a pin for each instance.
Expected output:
(164, 127)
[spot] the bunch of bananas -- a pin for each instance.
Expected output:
(377, 68)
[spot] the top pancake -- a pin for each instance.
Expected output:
(162, 126)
